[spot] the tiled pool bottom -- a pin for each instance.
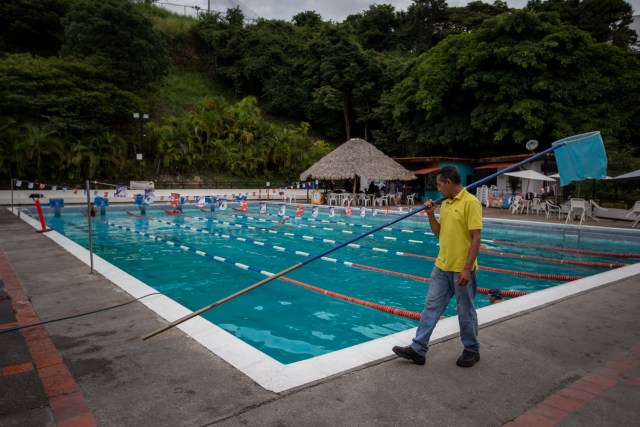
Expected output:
(278, 377)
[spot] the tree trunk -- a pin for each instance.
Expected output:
(345, 113)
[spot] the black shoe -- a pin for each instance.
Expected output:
(467, 359)
(409, 353)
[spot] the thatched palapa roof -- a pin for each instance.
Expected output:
(357, 157)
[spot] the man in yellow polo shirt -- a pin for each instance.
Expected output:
(454, 274)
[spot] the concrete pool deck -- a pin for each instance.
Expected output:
(575, 361)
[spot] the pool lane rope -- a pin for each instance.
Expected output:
(553, 260)
(295, 219)
(564, 278)
(338, 222)
(326, 221)
(381, 307)
(337, 230)
(486, 251)
(574, 251)
(560, 277)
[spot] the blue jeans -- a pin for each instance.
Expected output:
(442, 287)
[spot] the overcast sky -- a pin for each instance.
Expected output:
(338, 10)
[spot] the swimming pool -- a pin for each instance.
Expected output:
(177, 255)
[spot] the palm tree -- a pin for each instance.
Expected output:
(7, 137)
(38, 142)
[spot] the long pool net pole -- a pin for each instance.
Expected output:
(554, 147)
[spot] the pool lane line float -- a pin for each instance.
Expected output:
(93, 218)
(292, 251)
(252, 218)
(387, 309)
(216, 213)
(347, 224)
(560, 277)
(554, 260)
(504, 293)
(573, 251)
(168, 212)
(344, 231)
(249, 212)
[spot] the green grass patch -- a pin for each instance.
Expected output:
(179, 91)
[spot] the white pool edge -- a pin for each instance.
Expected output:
(277, 377)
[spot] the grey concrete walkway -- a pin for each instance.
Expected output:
(572, 363)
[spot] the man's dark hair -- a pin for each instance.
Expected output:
(450, 173)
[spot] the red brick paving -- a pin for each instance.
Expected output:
(557, 407)
(67, 403)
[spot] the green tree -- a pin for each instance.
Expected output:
(288, 90)
(307, 19)
(8, 137)
(376, 28)
(519, 76)
(69, 96)
(423, 27)
(222, 34)
(464, 19)
(34, 144)
(605, 20)
(338, 65)
(386, 135)
(232, 137)
(32, 26)
(116, 34)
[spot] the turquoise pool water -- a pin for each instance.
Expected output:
(292, 323)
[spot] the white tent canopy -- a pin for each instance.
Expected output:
(557, 175)
(530, 174)
(629, 175)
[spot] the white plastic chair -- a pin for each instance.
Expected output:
(411, 199)
(553, 210)
(347, 199)
(362, 199)
(517, 205)
(635, 210)
(577, 207)
(537, 206)
(381, 200)
(332, 199)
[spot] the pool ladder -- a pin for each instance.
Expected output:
(571, 232)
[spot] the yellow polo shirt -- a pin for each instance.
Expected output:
(457, 216)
